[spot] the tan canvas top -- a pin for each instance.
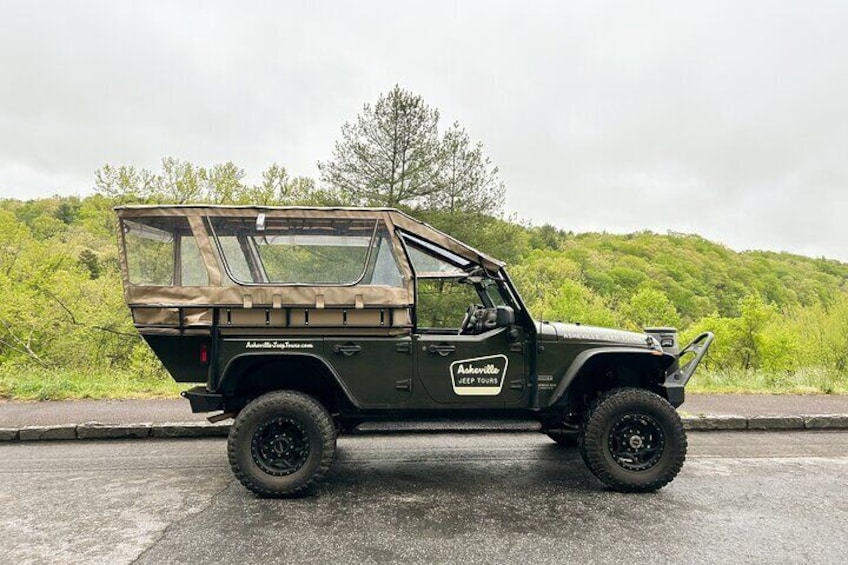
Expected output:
(222, 291)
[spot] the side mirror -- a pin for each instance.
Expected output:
(505, 316)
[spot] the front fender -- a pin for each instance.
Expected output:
(663, 360)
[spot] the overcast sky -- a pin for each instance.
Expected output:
(726, 119)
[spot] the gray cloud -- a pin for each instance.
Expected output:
(725, 118)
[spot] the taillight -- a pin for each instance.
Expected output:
(204, 353)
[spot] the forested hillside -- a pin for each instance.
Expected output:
(781, 320)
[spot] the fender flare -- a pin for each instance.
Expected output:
(226, 373)
(585, 356)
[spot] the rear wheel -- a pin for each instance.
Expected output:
(633, 440)
(282, 444)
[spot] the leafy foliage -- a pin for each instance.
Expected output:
(181, 182)
(780, 319)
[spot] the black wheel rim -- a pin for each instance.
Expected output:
(636, 442)
(280, 446)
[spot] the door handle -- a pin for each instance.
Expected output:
(442, 349)
(347, 349)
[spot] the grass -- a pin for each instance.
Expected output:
(809, 380)
(29, 383)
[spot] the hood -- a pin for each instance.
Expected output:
(577, 332)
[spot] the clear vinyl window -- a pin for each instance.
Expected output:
(308, 251)
(162, 252)
(430, 260)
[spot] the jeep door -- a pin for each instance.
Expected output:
(481, 366)
(480, 370)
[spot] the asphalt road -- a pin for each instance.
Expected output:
(511, 498)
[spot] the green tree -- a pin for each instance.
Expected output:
(468, 183)
(278, 188)
(651, 307)
(223, 184)
(390, 155)
(14, 235)
(125, 183)
(573, 302)
(68, 210)
(182, 182)
(91, 262)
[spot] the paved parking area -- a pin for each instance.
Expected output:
(469, 498)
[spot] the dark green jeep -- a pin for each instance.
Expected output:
(304, 322)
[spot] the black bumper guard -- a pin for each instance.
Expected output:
(698, 347)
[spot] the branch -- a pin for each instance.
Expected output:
(111, 331)
(62, 304)
(80, 324)
(22, 347)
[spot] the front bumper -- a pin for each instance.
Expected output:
(698, 347)
(678, 376)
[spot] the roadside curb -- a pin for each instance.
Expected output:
(96, 430)
(172, 430)
(766, 423)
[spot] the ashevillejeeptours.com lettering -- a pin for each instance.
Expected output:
(278, 345)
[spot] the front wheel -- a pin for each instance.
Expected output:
(282, 444)
(633, 440)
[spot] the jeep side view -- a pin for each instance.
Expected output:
(302, 323)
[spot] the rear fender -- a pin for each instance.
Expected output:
(244, 365)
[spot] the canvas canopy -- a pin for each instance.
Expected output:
(186, 255)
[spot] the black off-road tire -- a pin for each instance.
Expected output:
(610, 418)
(302, 420)
(563, 439)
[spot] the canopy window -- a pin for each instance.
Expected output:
(162, 251)
(271, 250)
